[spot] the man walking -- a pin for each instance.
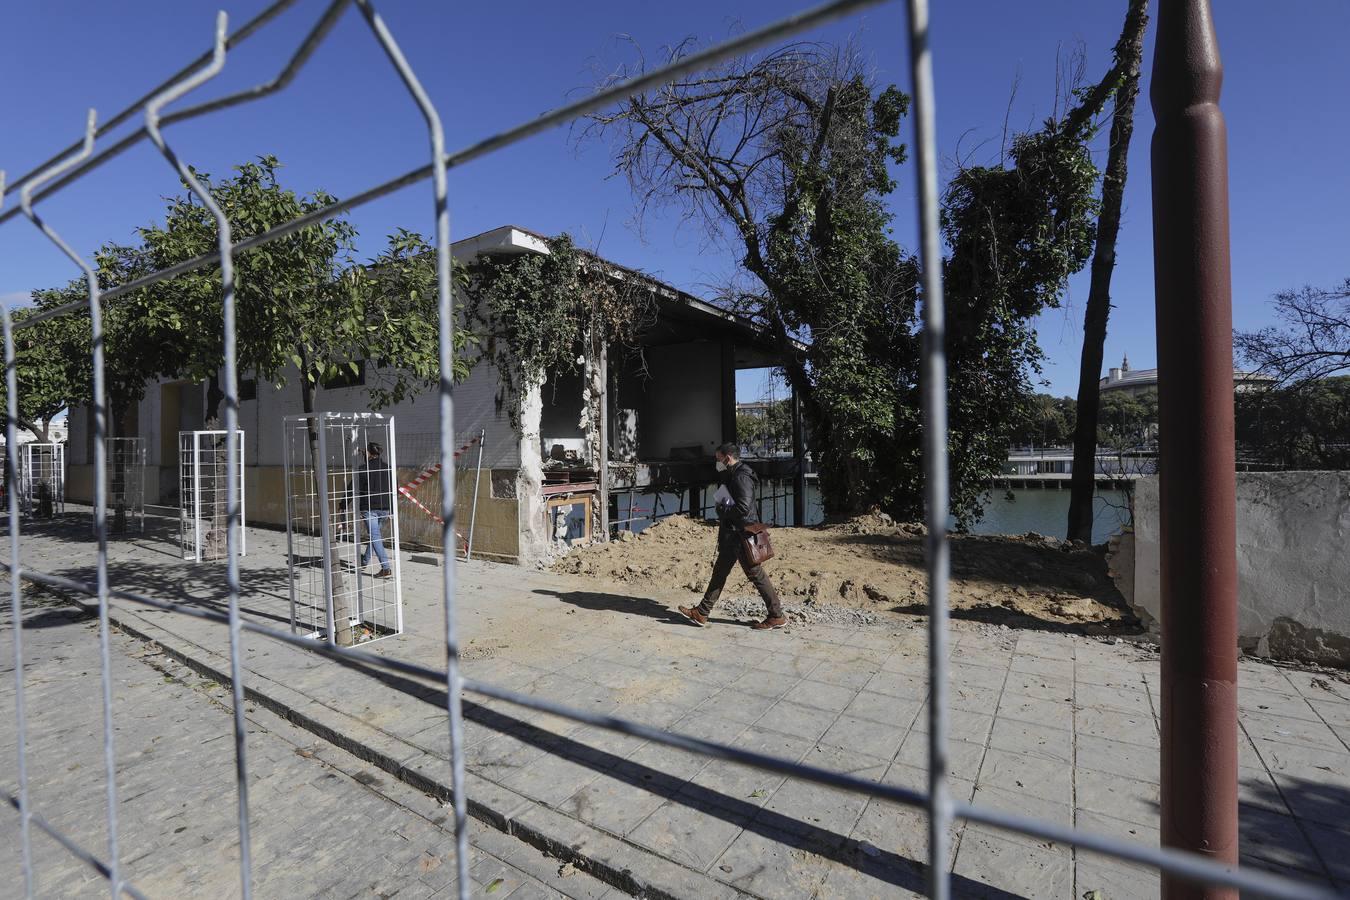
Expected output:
(736, 510)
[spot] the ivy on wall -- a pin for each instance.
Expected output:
(545, 314)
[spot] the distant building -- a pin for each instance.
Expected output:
(1136, 381)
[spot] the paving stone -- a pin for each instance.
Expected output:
(963, 757)
(738, 705)
(1134, 832)
(1033, 740)
(1288, 730)
(1269, 836)
(1116, 758)
(805, 722)
(615, 805)
(1021, 773)
(882, 708)
(1118, 725)
(962, 725)
(779, 693)
(771, 864)
(1124, 798)
(1024, 803)
(866, 737)
(994, 864)
(687, 834)
(818, 694)
(1115, 880)
(897, 684)
(360, 833)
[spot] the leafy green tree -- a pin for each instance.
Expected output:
(1049, 423)
(1303, 426)
(767, 431)
(302, 300)
(48, 367)
(1126, 420)
(788, 158)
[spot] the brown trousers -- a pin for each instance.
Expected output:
(729, 553)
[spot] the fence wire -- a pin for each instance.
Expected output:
(79, 160)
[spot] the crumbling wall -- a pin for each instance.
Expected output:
(1293, 566)
(534, 541)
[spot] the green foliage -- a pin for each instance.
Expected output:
(790, 153)
(1049, 424)
(301, 300)
(397, 300)
(48, 364)
(768, 431)
(1126, 420)
(542, 313)
(834, 274)
(1017, 231)
(1304, 426)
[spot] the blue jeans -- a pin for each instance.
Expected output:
(373, 517)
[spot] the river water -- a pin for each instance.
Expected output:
(1047, 511)
(1017, 511)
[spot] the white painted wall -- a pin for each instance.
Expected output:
(1293, 530)
(417, 420)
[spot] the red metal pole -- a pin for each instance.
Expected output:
(1193, 296)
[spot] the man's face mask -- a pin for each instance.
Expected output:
(721, 466)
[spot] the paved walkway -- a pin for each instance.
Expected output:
(324, 823)
(1056, 725)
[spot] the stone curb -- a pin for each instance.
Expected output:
(592, 850)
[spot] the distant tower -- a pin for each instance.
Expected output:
(1125, 364)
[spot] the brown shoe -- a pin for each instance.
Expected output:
(693, 615)
(771, 622)
(384, 573)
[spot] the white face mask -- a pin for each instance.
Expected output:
(721, 466)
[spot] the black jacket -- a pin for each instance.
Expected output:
(374, 485)
(740, 481)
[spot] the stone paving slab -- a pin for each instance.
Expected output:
(1050, 723)
(323, 822)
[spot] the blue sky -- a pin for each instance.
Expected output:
(346, 124)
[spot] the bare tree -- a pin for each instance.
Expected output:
(784, 156)
(1312, 340)
(1129, 53)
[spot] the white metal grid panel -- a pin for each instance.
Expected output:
(42, 480)
(126, 483)
(336, 499)
(203, 518)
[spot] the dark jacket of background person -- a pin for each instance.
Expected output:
(374, 485)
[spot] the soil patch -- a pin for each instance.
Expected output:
(871, 563)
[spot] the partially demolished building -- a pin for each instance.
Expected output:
(658, 409)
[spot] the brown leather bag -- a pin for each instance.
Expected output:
(755, 544)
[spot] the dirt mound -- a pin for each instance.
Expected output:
(875, 564)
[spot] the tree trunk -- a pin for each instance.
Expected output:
(1129, 55)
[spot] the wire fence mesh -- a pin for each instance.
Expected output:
(116, 464)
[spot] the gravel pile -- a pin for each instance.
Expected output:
(824, 614)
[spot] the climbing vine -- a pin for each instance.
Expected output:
(547, 313)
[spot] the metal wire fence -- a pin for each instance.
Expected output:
(80, 159)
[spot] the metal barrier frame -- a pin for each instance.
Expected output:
(1186, 48)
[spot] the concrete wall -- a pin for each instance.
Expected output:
(1293, 530)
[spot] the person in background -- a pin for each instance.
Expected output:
(735, 510)
(374, 495)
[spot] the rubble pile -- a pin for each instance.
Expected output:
(873, 565)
